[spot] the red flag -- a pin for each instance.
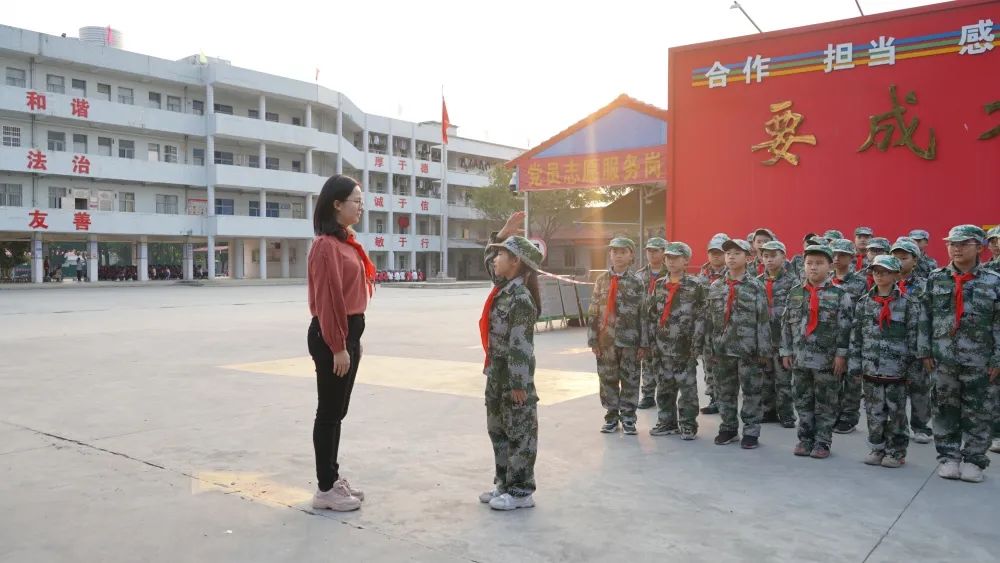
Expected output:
(444, 122)
(317, 74)
(108, 39)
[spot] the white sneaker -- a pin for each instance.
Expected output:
(971, 473)
(357, 493)
(486, 497)
(338, 499)
(995, 446)
(507, 502)
(949, 470)
(922, 438)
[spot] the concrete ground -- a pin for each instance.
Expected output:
(173, 423)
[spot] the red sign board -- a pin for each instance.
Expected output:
(889, 121)
(636, 166)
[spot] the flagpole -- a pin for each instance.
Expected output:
(444, 197)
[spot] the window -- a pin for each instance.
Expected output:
(104, 91)
(296, 121)
(80, 203)
(173, 103)
(104, 146)
(16, 77)
(126, 202)
(223, 157)
(154, 152)
(79, 88)
(56, 196)
(79, 143)
(298, 211)
(11, 136)
(272, 208)
(126, 96)
(55, 83)
(197, 107)
(253, 161)
(166, 204)
(379, 226)
(271, 116)
(57, 141)
(253, 114)
(224, 206)
(10, 195)
(271, 163)
(569, 258)
(170, 154)
(296, 166)
(222, 108)
(155, 100)
(198, 157)
(126, 149)
(254, 208)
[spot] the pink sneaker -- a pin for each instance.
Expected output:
(338, 498)
(354, 492)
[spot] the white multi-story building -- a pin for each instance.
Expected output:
(106, 147)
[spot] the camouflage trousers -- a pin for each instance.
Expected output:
(849, 397)
(885, 407)
(733, 374)
(816, 394)
(677, 392)
(963, 413)
(618, 373)
(710, 388)
(777, 395)
(918, 387)
(649, 371)
(995, 396)
(655, 366)
(513, 431)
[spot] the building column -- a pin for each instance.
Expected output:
(262, 263)
(366, 177)
(93, 258)
(188, 262)
(210, 256)
(231, 263)
(262, 152)
(309, 161)
(210, 150)
(37, 258)
(263, 202)
(286, 267)
(309, 115)
(340, 133)
(240, 257)
(143, 267)
(262, 106)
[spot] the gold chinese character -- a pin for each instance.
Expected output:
(631, 167)
(591, 174)
(571, 173)
(990, 108)
(781, 127)
(552, 173)
(653, 165)
(906, 131)
(609, 172)
(534, 175)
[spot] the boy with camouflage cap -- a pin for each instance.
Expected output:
(862, 236)
(993, 242)
(926, 265)
(815, 336)
(799, 260)
(757, 238)
(711, 271)
(963, 309)
(777, 398)
(652, 271)
(674, 331)
(918, 387)
(884, 345)
(738, 343)
(614, 334)
(833, 234)
(855, 284)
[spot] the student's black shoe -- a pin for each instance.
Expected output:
(647, 403)
(749, 442)
(726, 437)
(712, 408)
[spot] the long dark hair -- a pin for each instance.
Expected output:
(337, 188)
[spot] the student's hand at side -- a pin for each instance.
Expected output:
(762, 360)
(929, 364)
(643, 353)
(597, 352)
(520, 396)
(787, 361)
(994, 374)
(839, 366)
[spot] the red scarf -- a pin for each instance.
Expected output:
(769, 286)
(859, 262)
(885, 314)
(902, 287)
(760, 268)
(652, 284)
(731, 298)
(870, 282)
(484, 324)
(672, 290)
(609, 311)
(960, 280)
(836, 280)
(813, 307)
(366, 262)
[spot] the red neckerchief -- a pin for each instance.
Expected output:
(884, 314)
(813, 307)
(960, 280)
(731, 298)
(484, 324)
(366, 262)
(609, 310)
(672, 288)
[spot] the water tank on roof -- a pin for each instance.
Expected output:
(99, 34)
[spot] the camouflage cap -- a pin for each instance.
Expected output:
(842, 246)
(864, 231)
(920, 234)
(716, 242)
(817, 240)
(678, 249)
(622, 242)
(774, 245)
(833, 234)
(523, 249)
(993, 233)
(819, 249)
(738, 244)
(906, 244)
(657, 243)
(879, 243)
(886, 261)
(966, 232)
(761, 231)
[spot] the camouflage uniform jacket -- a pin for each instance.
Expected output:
(624, 330)
(993, 264)
(916, 286)
(889, 351)
(784, 283)
(798, 264)
(648, 277)
(977, 341)
(925, 265)
(748, 333)
(707, 275)
(854, 283)
(512, 332)
(832, 336)
(682, 333)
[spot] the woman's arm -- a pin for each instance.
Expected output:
(330, 304)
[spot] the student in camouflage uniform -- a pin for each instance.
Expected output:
(918, 385)
(862, 236)
(798, 262)
(757, 238)
(674, 330)
(855, 284)
(884, 345)
(738, 341)
(833, 234)
(654, 269)
(507, 330)
(993, 241)
(963, 310)
(777, 398)
(711, 271)
(926, 264)
(815, 336)
(877, 246)
(614, 335)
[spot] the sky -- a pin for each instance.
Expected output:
(514, 72)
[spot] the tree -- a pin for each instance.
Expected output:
(12, 254)
(495, 201)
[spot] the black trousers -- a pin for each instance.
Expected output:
(334, 395)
